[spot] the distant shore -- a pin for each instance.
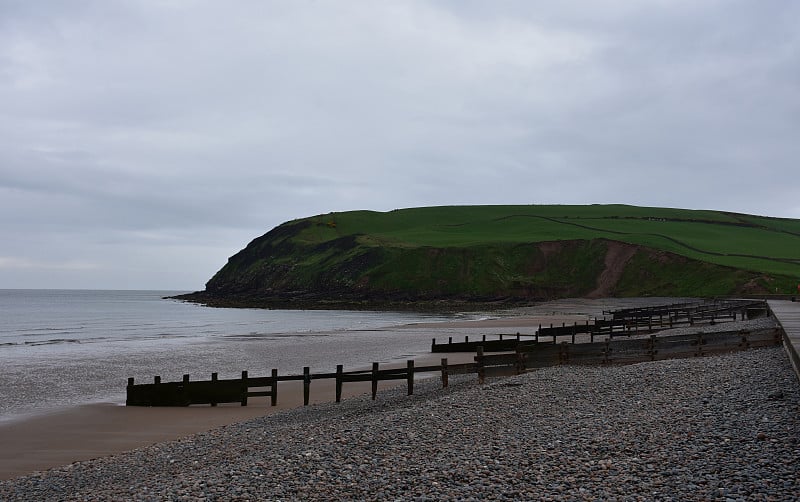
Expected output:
(401, 303)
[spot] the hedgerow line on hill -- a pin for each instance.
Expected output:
(760, 227)
(791, 261)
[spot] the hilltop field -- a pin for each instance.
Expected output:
(487, 255)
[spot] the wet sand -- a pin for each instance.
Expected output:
(97, 430)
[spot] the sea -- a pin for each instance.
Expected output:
(65, 348)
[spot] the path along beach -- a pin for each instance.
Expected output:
(723, 427)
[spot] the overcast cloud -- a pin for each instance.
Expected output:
(144, 142)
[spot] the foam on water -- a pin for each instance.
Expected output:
(66, 348)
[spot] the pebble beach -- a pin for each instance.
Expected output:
(713, 428)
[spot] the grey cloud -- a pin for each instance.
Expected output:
(129, 128)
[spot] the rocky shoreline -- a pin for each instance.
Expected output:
(715, 428)
(397, 303)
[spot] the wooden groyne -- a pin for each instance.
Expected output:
(625, 351)
(188, 392)
(619, 323)
(525, 357)
(496, 343)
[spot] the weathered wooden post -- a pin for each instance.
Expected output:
(520, 363)
(466, 338)
(128, 392)
(374, 380)
(214, 377)
(185, 391)
(449, 340)
(484, 338)
(274, 393)
(307, 384)
(244, 388)
(563, 353)
(651, 347)
(339, 371)
(479, 361)
(445, 375)
(433, 345)
(156, 380)
(410, 369)
(744, 342)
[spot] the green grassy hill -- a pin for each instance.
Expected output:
(510, 253)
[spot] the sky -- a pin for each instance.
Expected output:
(144, 142)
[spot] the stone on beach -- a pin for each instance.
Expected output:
(666, 430)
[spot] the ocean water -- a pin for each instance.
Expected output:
(62, 348)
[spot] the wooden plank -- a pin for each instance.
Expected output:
(479, 362)
(293, 378)
(165, 394)
(274, 395)
(499, 359)
(244, 388)
(323, 376)
(534, 360)
(260, 393)
(410, 366)
(488, 346)
(339, 370)
(306, 385)
(462, 369)
(374, 380)
(428, 369)
(499, 371)
(219, 391)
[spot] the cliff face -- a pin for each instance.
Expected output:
(285, 268)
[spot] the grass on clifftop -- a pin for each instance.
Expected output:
(760, 244)
(491, 253)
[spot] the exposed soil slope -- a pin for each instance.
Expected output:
(617, 256)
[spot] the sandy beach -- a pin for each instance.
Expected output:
(716, 427)
(96, 430)
(713, 428)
